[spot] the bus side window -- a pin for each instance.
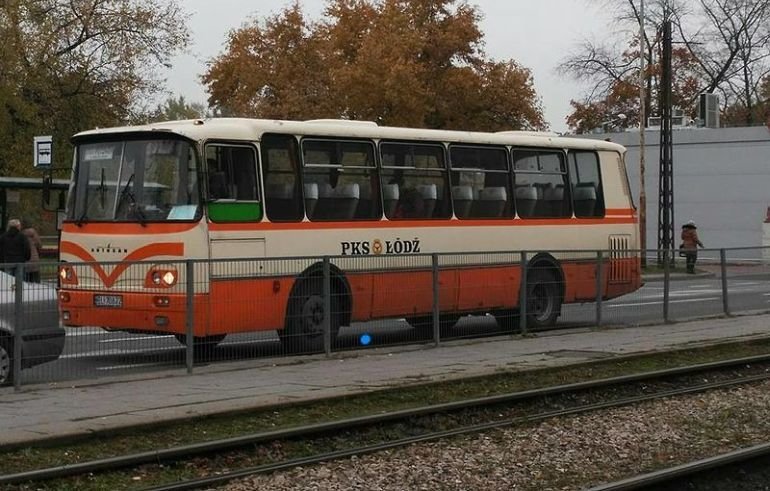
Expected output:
(280, 164)
(344, 174)
(480, 182)
(414, 181)
(585, 178)
(232, 183)
(541, 184)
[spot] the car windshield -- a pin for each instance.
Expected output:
(134, 180)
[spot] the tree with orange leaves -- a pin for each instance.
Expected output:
(413, 63)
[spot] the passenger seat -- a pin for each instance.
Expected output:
(462, 197)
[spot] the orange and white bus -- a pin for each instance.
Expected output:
(234, 194)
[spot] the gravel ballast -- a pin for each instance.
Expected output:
(561, 454)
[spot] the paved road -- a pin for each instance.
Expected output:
(93, 352)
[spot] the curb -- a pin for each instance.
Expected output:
(677, 276)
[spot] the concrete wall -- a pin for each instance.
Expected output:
(721, 180)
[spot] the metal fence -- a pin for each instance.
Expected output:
(184, 314)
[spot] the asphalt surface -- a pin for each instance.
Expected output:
(94, 353)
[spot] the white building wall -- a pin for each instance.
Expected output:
(721, 180)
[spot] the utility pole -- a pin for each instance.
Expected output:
(642, 128)
(666, 182)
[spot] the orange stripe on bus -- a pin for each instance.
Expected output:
(146, 252)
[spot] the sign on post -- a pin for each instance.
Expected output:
(43, 152)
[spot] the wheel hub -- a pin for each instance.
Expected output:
(313, 314)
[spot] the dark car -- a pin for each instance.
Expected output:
(41, 333)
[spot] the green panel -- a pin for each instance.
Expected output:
(248, 211)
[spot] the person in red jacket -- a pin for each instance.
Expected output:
(690, 243)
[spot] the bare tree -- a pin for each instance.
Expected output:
(724, 45)
(734, 50)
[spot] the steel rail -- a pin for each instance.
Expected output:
(643, 481)
(369, 449)
(185, 451)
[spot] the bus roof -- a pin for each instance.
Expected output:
(252, 130)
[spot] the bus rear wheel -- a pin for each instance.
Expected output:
(543, 299)
(304, 331)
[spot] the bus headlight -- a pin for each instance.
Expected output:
(67, 275)
(169, 278)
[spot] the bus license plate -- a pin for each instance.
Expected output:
(113, 301)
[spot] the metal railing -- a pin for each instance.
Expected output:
(278, 307)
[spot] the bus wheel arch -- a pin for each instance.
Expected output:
(545, 290)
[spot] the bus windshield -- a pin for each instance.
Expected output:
(134, 180)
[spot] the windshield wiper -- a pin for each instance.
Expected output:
(134, 207)
(101, 189)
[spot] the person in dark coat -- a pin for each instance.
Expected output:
(690, 243)
(14, 247)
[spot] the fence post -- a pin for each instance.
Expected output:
(599, 287)
(666, 283)
(18, 325)
(436, 310)
(723, 267)
(327, 307)
(523, 294)
(190, 316)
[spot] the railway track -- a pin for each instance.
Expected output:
(687, 476)
(431, 422)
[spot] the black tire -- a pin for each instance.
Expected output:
(543, 299)
(304, 331)
(424, 323)
(6, 361)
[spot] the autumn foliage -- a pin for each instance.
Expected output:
(416, 63)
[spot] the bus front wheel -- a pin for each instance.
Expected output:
(304, 331)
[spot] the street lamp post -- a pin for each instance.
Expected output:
(642, 126)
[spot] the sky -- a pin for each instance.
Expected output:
(537, 34)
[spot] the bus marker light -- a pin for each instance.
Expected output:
(65, 315)
(64, 297)
(276, 286)
(161, 301)
(161, 320)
